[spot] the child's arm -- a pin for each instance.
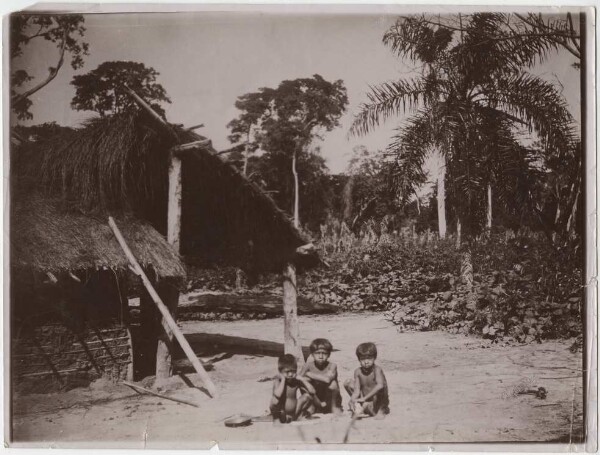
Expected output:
(356, 391)
(278, 386)
(326, 377)
(304, 370)
(379, 385)
(306, 385)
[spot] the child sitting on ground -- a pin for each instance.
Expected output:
(368, 391)
(322, 375)
(285, 405)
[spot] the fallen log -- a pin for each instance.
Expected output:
(246, 304)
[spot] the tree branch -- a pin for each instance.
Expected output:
(53, 72)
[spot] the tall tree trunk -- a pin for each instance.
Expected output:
(291, 331)
(246, 153)
(441, 198)
(458, 233)
(489, 208)
(572, 222)
(556, 218)
(464, 243)
(347, 199)
(296, 193)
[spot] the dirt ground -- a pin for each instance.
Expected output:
(443, 388)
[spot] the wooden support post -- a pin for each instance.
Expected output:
(187, 349)
(291, 331)
(174, 203)
(146, 353)
(169, 294)
(164, 349)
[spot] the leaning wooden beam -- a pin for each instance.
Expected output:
(195, 127)
(139, 389)
(150, 111)
(187, 349)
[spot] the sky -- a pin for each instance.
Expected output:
(206, 60)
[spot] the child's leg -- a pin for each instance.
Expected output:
(349, 386)
(335, 398)
(277, 410)
(303, 405)
(368, 408)
(381, 404)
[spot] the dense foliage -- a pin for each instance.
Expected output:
(103, 90)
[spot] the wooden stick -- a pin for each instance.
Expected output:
(137, 388)
(75, 278)
(190, 146)
(51, 277)
(195, 127)
(187, 349)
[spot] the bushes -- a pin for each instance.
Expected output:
(524, 290)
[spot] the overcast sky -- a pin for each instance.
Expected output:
(207, 60)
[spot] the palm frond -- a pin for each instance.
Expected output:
(386, 100)
(539, 103)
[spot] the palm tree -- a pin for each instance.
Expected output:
(473, 82)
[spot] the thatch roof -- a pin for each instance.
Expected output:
(46, 236)
(119, 165)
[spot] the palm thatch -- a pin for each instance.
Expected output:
(46, 236)
(119, 165)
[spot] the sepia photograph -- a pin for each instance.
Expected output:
(299, 227)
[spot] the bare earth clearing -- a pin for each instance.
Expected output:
(443, 388)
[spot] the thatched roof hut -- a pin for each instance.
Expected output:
(63, 190)
(119, 165)
(48, 237)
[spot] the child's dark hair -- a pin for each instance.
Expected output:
(321, 343)
(287, 361)
(366, 350)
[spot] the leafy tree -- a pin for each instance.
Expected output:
(41, 132)
(370, 191)
(65, 31)
(287, 119)
(473, 84)
(243, 128)
(103, 90)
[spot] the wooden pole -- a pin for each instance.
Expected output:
(187, 349)
(291, 332)
(174, 203)
(441, 197)
(170, 294)
(190, 146)
(164, 347)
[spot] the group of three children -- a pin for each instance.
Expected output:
(316, 387)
